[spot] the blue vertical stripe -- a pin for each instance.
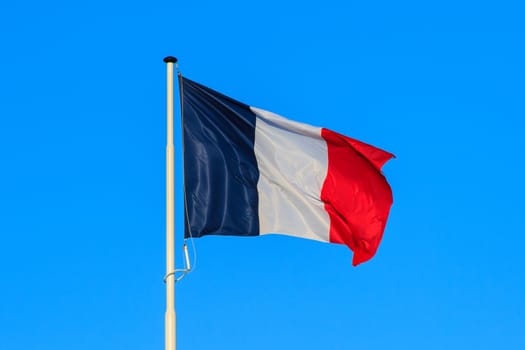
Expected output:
(220, 167)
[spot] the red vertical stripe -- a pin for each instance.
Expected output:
(357, 196)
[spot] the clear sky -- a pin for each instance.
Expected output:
(82, 173)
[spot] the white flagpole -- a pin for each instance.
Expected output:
(170, 316)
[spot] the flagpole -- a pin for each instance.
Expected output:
(170, 316)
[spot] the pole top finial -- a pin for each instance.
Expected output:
(170, 59)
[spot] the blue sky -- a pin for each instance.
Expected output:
(82, 142)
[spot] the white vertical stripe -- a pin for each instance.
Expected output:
(293, 161)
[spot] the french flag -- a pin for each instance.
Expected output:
(250, 172)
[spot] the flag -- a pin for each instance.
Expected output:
(250, 172)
